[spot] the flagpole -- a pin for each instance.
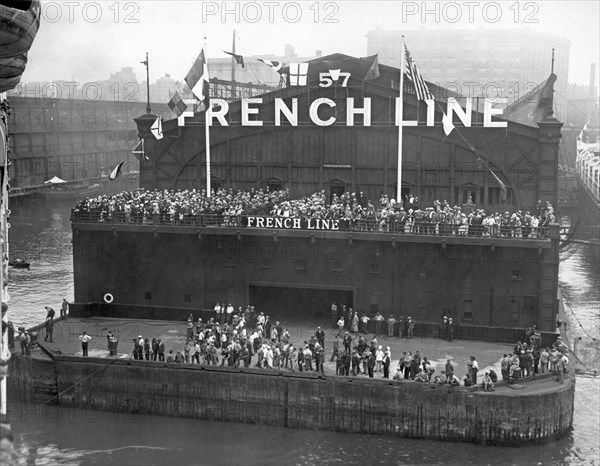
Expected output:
(206, 130)
(400, 118)
(233, 64)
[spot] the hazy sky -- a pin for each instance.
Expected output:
(86, 41)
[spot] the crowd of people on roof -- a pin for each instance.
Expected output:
(353, 211)
(175, 207)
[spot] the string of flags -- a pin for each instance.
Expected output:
(239, 59)
(276, 65)
(156, 128)
(115, 173)
(177, 105)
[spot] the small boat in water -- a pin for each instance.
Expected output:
(70, 191)
(19, 263)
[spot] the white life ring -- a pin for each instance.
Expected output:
(108, 298)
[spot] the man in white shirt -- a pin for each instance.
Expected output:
(84, 338)
(229, 312)
(378, 319)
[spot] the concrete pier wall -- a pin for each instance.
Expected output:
(307, 401)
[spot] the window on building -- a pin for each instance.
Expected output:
(148, 295)
(469, 195)
(301, 266)
(514, 312)
(187, 298)
(265, 263)
(467, 315)
(274, 184)
(337, 188)
(374, 304)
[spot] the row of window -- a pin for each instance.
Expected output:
(44, 143)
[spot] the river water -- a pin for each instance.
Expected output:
(41, 233)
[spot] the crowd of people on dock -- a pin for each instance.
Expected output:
(245, 337)
(345, 318)
(353, 211)
(529, 358)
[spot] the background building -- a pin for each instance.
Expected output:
(254, 71)
(476, 62)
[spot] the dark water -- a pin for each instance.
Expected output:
(50, 435)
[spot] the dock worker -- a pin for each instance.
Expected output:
(320, 335)
(444, 328)
(228, 314)
(391, 321)
(85, 339)
(64, 309)
(378, 319)
(50, 313)
(411, 327)
(161, 350)
(364, 320)
(25, 341)
(49, 329)
(334, 313)
(340, 324)
(450, 329)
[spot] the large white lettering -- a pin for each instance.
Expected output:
(292, 223)
(404, 122)
(489, 111)
(463, 115)
(365, 111)
(285, 113)
(282, 109)
(314, 112)
(218, 114)
(247, 111)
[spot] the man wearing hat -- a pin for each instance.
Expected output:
(64, 309)
(444, 328)
(49, 329)
(140, 347)
(50, 313)
(411, 327)
(387, 360)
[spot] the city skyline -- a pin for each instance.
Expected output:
(116, 35)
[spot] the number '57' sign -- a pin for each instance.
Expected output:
(326, 79)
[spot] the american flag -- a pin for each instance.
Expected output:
(413, 74)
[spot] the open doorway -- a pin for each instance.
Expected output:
(289, 304)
